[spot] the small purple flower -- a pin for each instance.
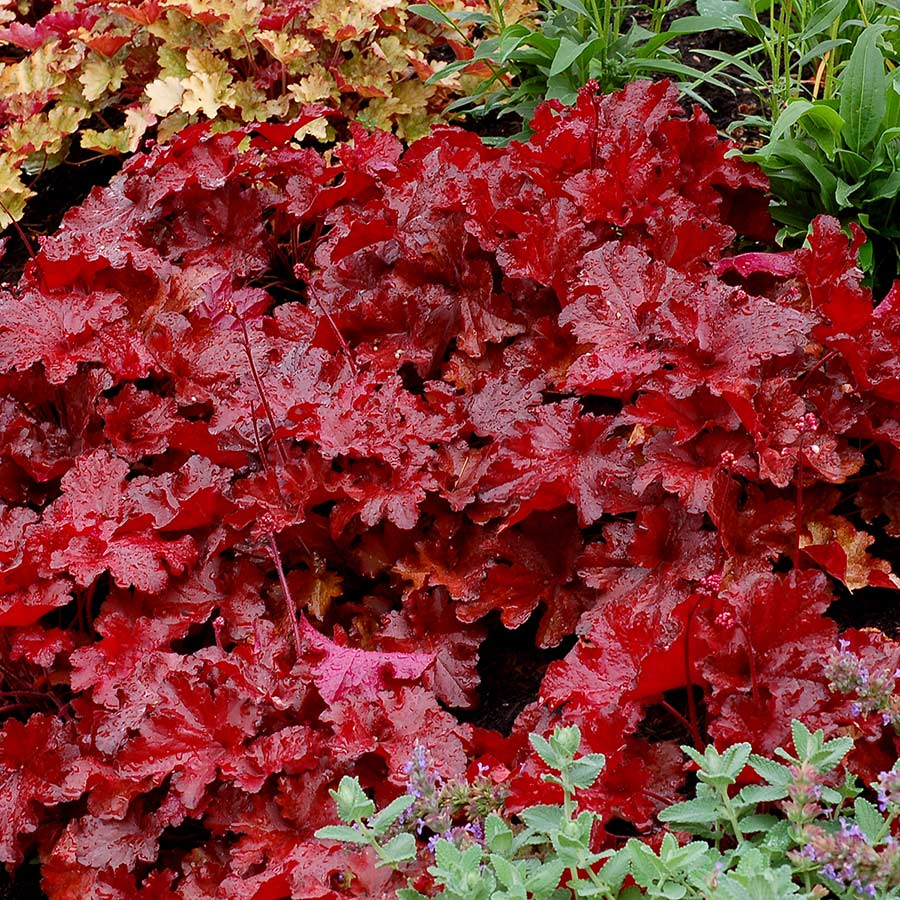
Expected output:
(851, 829)
(476, 829)
(848, 859)
(888, 788)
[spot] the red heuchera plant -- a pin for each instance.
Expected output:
(278, 435)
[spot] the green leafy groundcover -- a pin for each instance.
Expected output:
(824, 840)
(278, 435)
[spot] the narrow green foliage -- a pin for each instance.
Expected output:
(552, 52)
(841, 155)
(825, 74)
(796, 50)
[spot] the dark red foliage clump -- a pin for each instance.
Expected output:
(278, 434)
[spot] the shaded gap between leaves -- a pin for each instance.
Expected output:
(25, 884)
(58, 190)
(667, 720)
(511, 667)
(868, 607)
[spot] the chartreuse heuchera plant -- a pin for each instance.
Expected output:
(286, 442)
(796, 832)
(106, 75)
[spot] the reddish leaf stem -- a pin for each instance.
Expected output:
(694, 722)
(798, 505)
(816, 366)
(345, 347)
(273, 543)
(666, 801)
(245, 335)
(12, 676)
(684, 721)
(15, 224)
(751, 660)
(288, 598)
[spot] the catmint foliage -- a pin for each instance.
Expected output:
(762, 829)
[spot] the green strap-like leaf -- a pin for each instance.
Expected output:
(822, 18)
(432, 13)
(567, 52)
(863, 92)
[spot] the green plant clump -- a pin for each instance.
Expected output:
(825, 73)
(552, 53)
(841, 156)
(796, 830)
(796, 48)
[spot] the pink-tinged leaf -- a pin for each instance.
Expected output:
(26, 606)
(428, 622)
(612, 311)
(782, 265)
(192, 735)
(63, 330)
(40, 646)
(345, 672)
(763, 647)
